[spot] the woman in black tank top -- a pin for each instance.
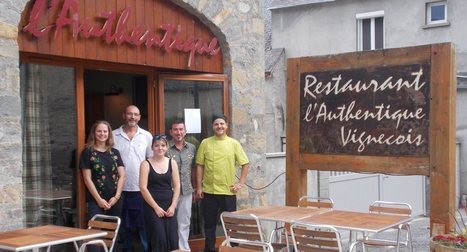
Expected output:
(159, 183)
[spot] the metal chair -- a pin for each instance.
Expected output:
(316, 202)
(393, 208)
(110, 224)
(225, 246)
(101, 243)
(316, 238)
(281, 235)
(244, 227)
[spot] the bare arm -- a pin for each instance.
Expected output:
(244, 173)
(93, 191)
(239, 185)
(176, 188)
(199, 180)
(143, 187)
(120, 183)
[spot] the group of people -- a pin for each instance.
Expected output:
(151, 182)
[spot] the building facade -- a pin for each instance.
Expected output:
(328, 27)
(57, 79)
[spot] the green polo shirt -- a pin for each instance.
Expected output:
(219, 156)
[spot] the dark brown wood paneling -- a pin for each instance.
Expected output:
(149, 15)
(43, 44)
(90, 49)
(296, 179)
(121, 50)
(148, 20)
(79, 44)
(131, 50)
(139, 19)
(443, 137)
(59, 37)
(101, 52)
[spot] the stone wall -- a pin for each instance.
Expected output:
(11, 210)
(239, 27)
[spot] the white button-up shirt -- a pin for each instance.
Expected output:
(133, 152)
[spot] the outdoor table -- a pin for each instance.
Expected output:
(44, 236)
(287, 214)
(357, 221)
(282, 214)
(57, 196)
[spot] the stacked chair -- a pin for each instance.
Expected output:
(403, 234)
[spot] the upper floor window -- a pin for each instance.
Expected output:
(370, 30)
(436, 12)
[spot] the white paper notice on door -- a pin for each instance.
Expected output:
(193, 120)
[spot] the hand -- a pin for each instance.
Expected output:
(236, 187)
(102, 203)
(113, 201)
(170, 212)
(199, 193)
(194, 197)
(159, 212)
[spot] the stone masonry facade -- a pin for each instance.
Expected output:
(239, 27)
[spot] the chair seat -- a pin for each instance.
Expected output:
(380, 242)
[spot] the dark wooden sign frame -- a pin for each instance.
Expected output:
(438, 162)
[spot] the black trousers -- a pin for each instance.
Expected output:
(212, 205)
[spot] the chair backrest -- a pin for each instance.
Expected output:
(387, 207)
(242, 227)
(252, 246)
(315, 202)
(101, 243)
(110, 224)
(309, 237)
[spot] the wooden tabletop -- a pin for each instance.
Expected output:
(357, 221)
(282, 213)
(47, 194)
(43, 236)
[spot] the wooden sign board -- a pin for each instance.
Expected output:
(386, 111)
(373, 111)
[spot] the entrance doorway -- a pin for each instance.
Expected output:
(108, 93)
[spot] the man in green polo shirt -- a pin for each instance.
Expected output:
(216, 182)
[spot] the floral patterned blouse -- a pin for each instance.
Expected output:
(104, 172)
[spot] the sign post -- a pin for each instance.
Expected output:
(388, 111)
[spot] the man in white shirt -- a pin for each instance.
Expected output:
(134, 144)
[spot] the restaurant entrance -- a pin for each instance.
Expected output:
(61, 100)
(77, 70)
(107, 93)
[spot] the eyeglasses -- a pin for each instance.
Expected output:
(159, 137)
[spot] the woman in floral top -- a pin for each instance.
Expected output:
(103, 171)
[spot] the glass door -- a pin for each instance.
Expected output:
(205, 92)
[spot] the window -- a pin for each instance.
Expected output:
(436, 13)
(370, 30)
(49, 135)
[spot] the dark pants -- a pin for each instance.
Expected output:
(94, 209)
(133, 220)
(213, 205)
